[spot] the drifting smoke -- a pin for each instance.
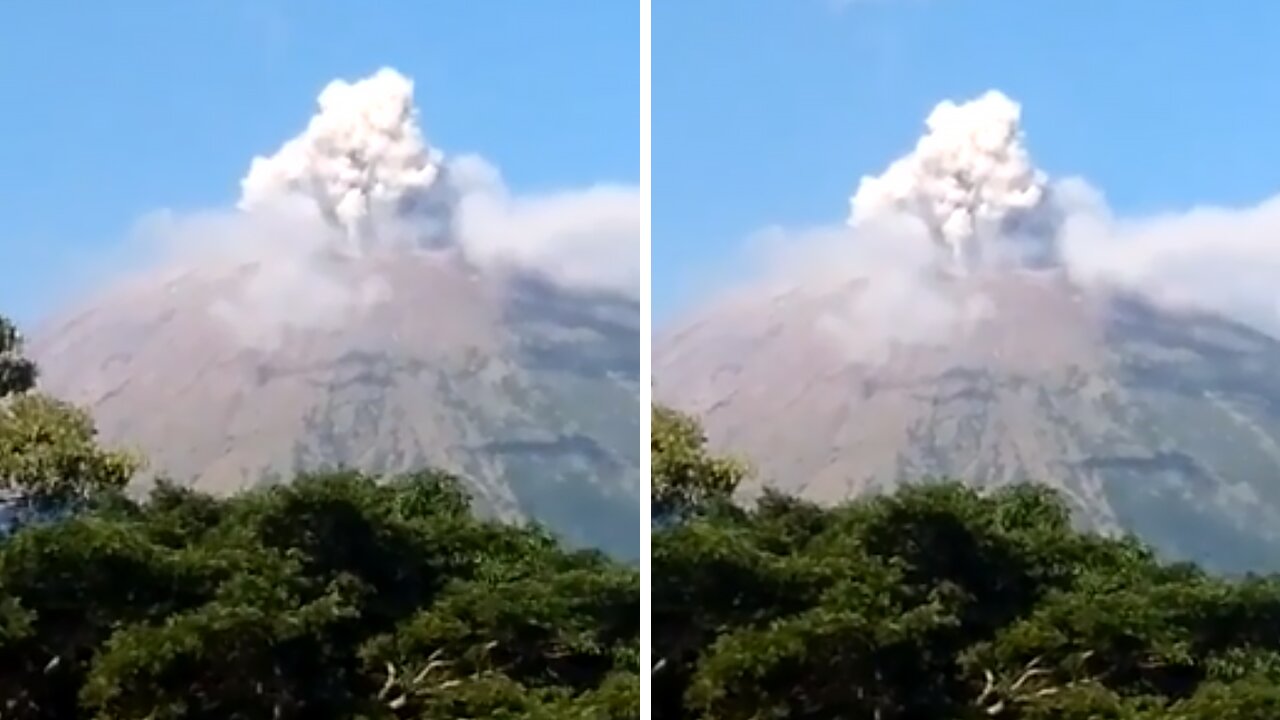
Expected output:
(275, 268)
(968, 202)
(1218, 260)
(583, 239)
(360, 189)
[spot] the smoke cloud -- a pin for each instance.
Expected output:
(873, 286)
(275, 268)
(365, 165)
(968, 203)
(586, 239)
(1210, 259)
(362, 160)
(970, 181)
(359, 189)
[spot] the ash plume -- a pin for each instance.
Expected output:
(969, 180)
(359, 192)
(362, 160)
(972, 205)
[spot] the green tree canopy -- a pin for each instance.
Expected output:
(939, 601)
(333, 596)
(49, 455)
(17, 373)
(685, 475)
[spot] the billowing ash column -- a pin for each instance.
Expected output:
(971, 182)
(364, 163)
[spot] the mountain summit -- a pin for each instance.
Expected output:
(372, 304)
(950, 331)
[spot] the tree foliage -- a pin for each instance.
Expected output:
(49, 456)
(685, 476)
(17, 373)
(332, 596)
(942, 602)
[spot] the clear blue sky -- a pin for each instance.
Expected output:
(115, 109)
(768, 111)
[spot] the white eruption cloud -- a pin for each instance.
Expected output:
(365, 164)
(970, 180)
(358, 190)
(968, 203)
(362, 157)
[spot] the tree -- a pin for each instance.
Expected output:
(17, 373)
(685, 476)
(335, 595)
(49, 456)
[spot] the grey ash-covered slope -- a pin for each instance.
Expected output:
(1166, 425)
(529, 392)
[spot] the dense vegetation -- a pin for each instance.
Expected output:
(334, 596)
(935, 603)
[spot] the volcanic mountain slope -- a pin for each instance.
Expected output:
(1164, 425)
(1161, 422)
(535, 406)
(243, 364)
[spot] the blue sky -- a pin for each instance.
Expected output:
(767, 112)
(114, 110)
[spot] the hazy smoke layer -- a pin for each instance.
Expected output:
(586, 239)
(1220, 260)
(875, 285)
(971, 190)
(272, 269)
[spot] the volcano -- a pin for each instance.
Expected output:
(992, 363)
(353, 312)
(1165, 425)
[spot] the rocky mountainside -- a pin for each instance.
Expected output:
(1163, 424)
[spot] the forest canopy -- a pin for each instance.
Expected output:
(936, 602)
(336, 595)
